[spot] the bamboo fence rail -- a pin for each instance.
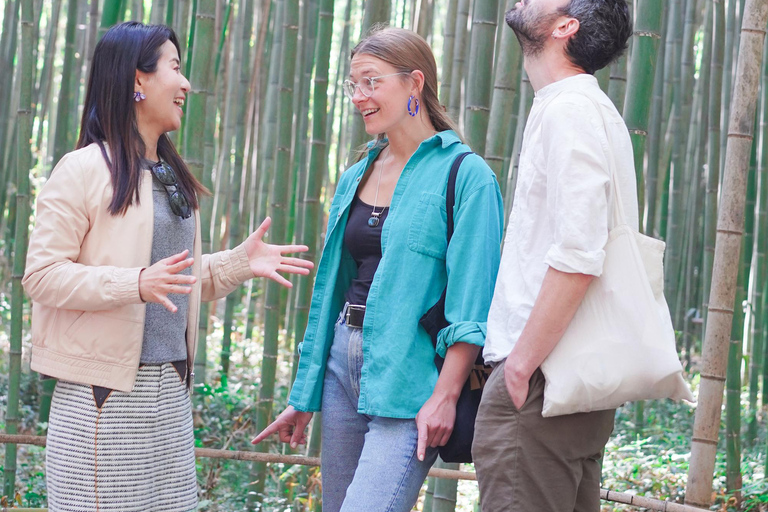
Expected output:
(447, 474)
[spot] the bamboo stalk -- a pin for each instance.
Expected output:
(459, 58)
(449, 39)
(640, 88)
(281, 194)
(64, 135)
(727, 248)
(445, 491)
(376, 11)
(713, 151)
(23, 167)
(502, 116)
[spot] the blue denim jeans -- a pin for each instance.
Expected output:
(367, 462)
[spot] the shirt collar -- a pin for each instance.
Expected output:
(565, 83)
(446, 137)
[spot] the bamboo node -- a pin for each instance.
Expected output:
(712, 377)
(646, 33)
(705, 441)
(636, 131)
(730, 232)
(491, 23)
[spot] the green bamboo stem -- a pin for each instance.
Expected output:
(157, 14)
(729, 68)
(479, 88)
(425, 18)
(460, 47)
(240, 77)
(376, 11)
(617, 87)
(655, 131)
(733, 477)
(110, 14)
(713, 151)
(7, 54)
(449, 39)
(318, 163)
(197, 123)
(43, 90)
(23, 210)
(64, 139)
(445, 491)
(640, 84)
(758, 306)
(502, 115)
(280, 193)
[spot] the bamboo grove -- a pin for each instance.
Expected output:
(267, 130)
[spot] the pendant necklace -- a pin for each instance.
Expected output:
(373, 221)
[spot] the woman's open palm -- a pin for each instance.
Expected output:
(266, 260)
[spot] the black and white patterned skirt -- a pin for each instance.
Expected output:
(135, 453)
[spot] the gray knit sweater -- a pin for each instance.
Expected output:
(165, 332)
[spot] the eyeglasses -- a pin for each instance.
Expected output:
(366, 84)
(176, 198)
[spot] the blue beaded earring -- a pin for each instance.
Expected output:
(138, 96)
(413, 111)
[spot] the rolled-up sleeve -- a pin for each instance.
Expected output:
(472, 260)
(578, 181)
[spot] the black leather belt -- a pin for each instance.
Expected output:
(354, 316)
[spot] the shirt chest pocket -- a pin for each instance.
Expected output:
(428, 231)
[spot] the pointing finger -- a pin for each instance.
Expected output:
(271, 429)
(421, 447)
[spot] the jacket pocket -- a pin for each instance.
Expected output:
(428, 231)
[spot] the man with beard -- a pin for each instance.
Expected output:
(573, 141)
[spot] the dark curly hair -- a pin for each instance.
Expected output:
(605, 26)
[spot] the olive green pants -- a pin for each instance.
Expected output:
(526, 462)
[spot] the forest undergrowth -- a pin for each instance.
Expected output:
(653, 463)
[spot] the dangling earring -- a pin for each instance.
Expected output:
(415, 101)
(138, 96)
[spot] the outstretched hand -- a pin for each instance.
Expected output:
(266, 260)
(290, 426)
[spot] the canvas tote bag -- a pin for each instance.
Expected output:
(620, 345)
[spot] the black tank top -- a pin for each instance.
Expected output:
(364, 244)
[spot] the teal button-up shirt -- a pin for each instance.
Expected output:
(398, 373)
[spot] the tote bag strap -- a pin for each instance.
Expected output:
(619, 215)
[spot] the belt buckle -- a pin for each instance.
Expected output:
(350, 309)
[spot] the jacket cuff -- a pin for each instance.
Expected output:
(241, 264)
(464, 332)
(125, 286)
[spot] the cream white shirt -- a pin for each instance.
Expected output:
(562, 209)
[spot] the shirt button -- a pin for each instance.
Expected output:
(358, 179)
(339, 215)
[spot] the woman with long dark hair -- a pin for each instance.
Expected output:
(366, 363)
(116, 275)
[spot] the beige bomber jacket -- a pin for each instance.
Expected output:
(82, 274)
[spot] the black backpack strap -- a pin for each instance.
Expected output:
(450, 193)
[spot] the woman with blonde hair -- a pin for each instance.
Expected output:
(366, 363)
